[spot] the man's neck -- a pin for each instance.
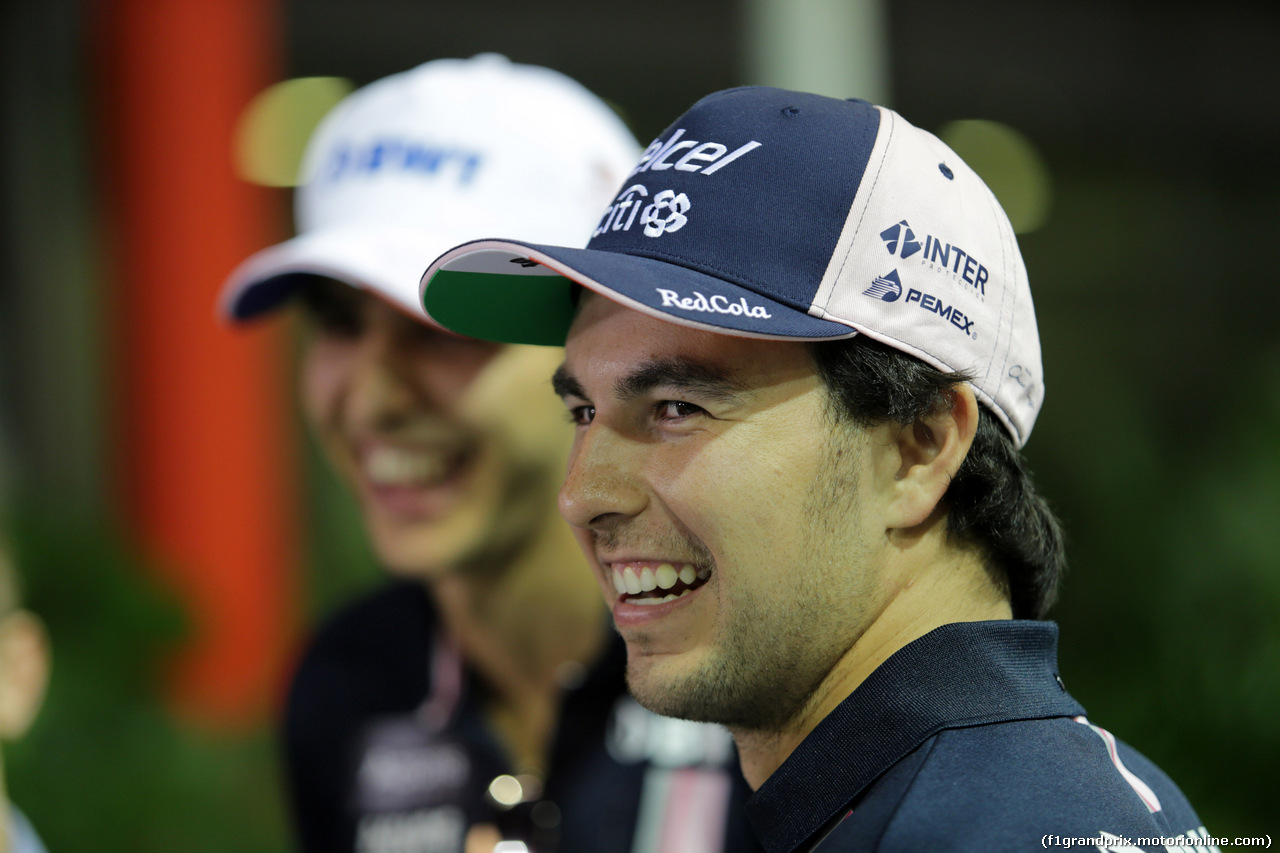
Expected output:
(522, 629)
(956, 589)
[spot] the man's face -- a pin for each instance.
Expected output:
(714, 458)
(451, 445)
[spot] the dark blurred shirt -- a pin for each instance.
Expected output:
(368, 771)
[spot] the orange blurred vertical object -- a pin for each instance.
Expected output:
(203, 418)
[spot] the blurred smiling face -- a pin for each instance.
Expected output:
(452, 446)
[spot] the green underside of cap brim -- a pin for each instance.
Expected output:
(513, 309)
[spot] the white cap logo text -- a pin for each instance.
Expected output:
(664, 215)
(707, 157)
(715, 305)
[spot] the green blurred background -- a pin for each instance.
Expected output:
(1156, 130)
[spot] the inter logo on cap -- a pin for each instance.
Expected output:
(901, 231)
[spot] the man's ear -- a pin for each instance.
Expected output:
(24, 671)
(929, 453)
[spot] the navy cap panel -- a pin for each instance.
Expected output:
(690, 295)
(751, 185)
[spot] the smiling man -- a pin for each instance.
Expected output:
(801, 359)
(480, 695)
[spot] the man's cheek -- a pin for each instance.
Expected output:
(514, 378)
(511, 397)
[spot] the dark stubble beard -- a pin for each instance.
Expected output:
(776, 645)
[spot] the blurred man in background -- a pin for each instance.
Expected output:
(482, 686)
(24, 672)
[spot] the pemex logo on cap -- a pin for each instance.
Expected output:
(887, 287)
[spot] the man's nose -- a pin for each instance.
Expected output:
(382, 386)
(603, 485)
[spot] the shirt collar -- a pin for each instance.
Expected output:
(22, 838)
(958, 675)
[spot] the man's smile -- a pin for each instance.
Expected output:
(650, 582)
(414, 482)
(406, 467)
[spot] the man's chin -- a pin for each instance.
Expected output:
(712, 691)
(422, 556)
(424, 545)
(670, 686)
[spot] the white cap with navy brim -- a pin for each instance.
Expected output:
(781, 215)
(421, 160)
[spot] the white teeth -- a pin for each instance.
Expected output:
(629, 581)
(391, 466)
(633, 581)
(648, 601)
(666, 576)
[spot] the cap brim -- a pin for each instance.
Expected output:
(386, 261)
(517, 292)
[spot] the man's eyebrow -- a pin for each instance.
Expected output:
(706, 380)
(565, 385)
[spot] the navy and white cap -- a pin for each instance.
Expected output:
(774, 214)
(433, 156)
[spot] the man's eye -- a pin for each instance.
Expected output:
(581, 415)
(675, 410)
(333, 308)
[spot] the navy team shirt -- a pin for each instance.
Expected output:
(966, 739)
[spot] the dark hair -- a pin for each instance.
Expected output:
(992, 501)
